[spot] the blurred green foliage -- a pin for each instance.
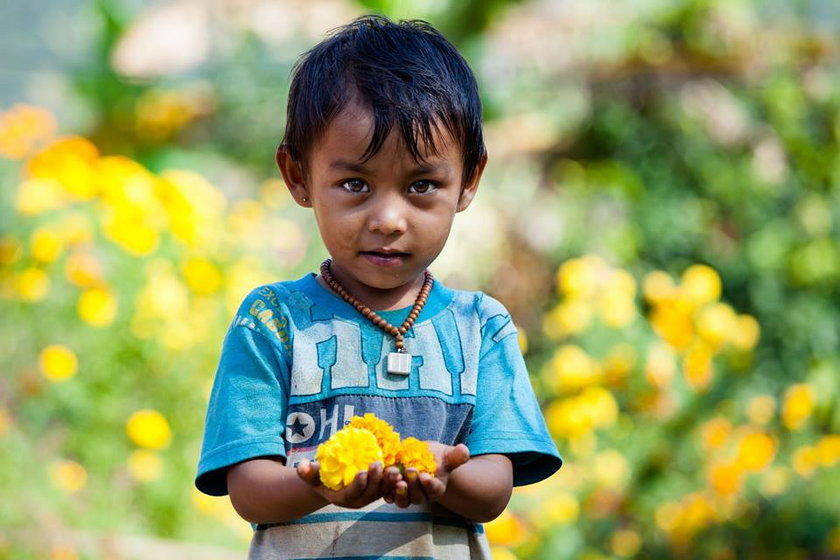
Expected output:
(655, 135)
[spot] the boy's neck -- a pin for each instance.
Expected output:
(376, 298)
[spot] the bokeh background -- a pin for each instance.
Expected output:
(660, 214)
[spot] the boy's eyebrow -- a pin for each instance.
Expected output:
(359, 167)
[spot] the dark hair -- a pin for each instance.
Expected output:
(407, 73)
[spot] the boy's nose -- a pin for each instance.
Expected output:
(388, 216)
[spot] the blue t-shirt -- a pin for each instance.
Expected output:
(298, 362)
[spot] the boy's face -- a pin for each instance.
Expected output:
(386, 219)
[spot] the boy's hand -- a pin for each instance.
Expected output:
(368, 486)
(420, 488)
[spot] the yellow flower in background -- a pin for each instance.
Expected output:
(610, 469)
(726, 479)
(746, 334)
(195, 208)
(211, 506)
(571, 369)
(22, 127)
(72, 161)
(805, 460)
(828, 448)
(717, 323)
(701, 284)
(97, 307)
(349, 451)
(625, 543)
(756, 451)
(617, 309)
(556, 508)
(672, 322)
(715, 432)
(566, 418)
(578, 278)
(10, 250)
(164, 295)
(202, 276)
(698, 368)
(600, 405)
(415, 454)
(572, 316)
(83, 269)
(660, 366)
(36, 196)
(387, 439)
(145, 465)
(775, 481)
(619, 363)
(499, 553)
(32, 285)
(506, 530)
(522, 339)
(68, 476)
(75, 228)
(58, 363)
(149, 429)
(760, 409)
(46, 245)
(797, 406)
(658, 287)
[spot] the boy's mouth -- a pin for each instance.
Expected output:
(385, 258)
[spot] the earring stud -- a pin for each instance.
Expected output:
(305, 199)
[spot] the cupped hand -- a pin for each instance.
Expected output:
(367, 486)
(420, 488)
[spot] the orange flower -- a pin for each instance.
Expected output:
(347, 452)
(416, 454)
(386, 437)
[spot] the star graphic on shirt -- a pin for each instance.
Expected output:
(299, 427)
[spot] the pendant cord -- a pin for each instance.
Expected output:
(371, 315)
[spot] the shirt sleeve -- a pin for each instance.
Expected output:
(247, 409)
(507, 417)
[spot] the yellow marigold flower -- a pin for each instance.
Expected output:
(698, 368)
(417, 455)
(149, 429)
(72, 162)
(83, 269)
(716, 432)
(599, 403)
(506, 530)
(58, 363)
(349, 451)
(522, 339)
(571, 368)
(701, 284)
(577, 278)
(500, 553)
(36, 196)
(68, 476)
(671, 321)
(610, 469)
(756, 451)
(747, 332)
(555, 509)
(194, 206)
(10, 250)
(775, 481)
(619, 363)
(797, 406)
(202, 276)
(617, 308)
(75, 228)
(725, 478)
(660, 366)
(717, 323)
(805, 460)
(625, 543)
(386, 437)
(571, 316)
(33, 284)
(22, 127)
(97, 307)
(145, 465)
(658, 286)
(567, 418)
(828, 448)
(760, 409)
(46, 245)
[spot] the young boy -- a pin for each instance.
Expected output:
(384, 143)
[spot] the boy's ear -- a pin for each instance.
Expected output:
(293, 176)
(471, 186)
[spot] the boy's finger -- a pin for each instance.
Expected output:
(308, 471)
(456, 456)
(415, 490)
(401, 494)
(432, 486)
(390, 477)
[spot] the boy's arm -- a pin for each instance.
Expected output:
(476, 488)
(266, 491)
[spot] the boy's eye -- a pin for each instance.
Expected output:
(422, 187)
(355, 186)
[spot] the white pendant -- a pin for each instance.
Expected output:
(399, 363)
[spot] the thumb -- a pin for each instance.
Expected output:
(308, 471)
(456, 456)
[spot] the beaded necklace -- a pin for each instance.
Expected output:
(399, 361)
